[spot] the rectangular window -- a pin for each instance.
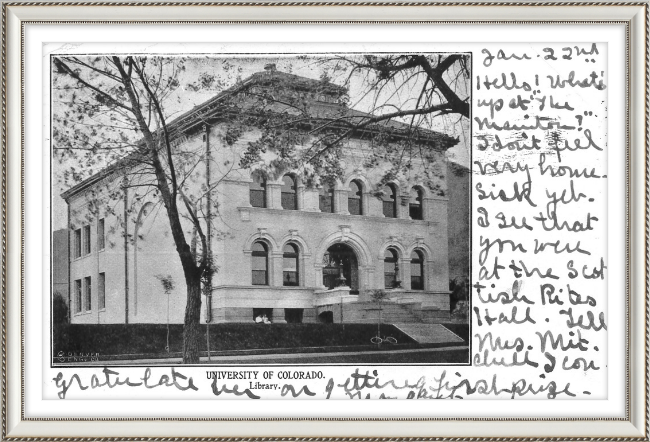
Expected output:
(259, 270)
(325, 203)
(389, 209)
(257, 198)
(354, 206)
(259, 277)
(288, 200)
(86, 237)
(417, 279)
(415, 211)
(326, 198)
(389, 275)
(293, 315)
(355, 198)
(101, 243)
(101, 291)
(77, 243)
(263, 315)
(290, 279)
(290, 271)
(258, 192)
(88, 294)
(77, 296)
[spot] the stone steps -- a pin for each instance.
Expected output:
(429, 333)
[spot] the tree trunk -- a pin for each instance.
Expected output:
(192, 329)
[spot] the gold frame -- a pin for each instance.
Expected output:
(636, 17)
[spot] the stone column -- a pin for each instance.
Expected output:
(318, 275)
(275, 268)
(362, 276)
(405, 272)
(370, 275)
(273, 197)
(379, 276)
(403, 207)
(244, 202)
(310, 198)
(399, 209)
(341, 202)
(247, 271)
(366, 206)
(305, 277)
(300, 197)
(278, 316)
(428, 274)
(439, 272)
(428, 212)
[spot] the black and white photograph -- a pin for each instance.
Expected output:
(267, 220)
(281, 209)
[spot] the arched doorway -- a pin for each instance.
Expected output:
(326, 317)
(338, 259)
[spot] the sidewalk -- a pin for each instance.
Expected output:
(281, 358)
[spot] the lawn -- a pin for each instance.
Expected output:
(151, 339)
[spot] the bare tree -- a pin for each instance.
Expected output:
(409, 103)
(116, 114)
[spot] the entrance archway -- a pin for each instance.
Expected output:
(340, 258)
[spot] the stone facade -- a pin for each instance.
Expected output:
(117, 281)
(60, 263)
(458, 184)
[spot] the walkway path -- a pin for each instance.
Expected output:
(257, 359)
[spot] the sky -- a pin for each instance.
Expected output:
(225, 72)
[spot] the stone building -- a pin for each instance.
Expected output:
(458, 185)
(60, 263)
(285, 248)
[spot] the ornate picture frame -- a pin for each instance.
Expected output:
(17, 424)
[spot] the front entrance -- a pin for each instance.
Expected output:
(341, 259)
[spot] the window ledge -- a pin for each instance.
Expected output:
(257, 287)
(247, 210)
(88, 312)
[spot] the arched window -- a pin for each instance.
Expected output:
(260, 264)
(326, 198)
(258, 192)
(390, 268)
(389, 200)
(355, 198)
(289, 194)
(415, 204)
(290, 256)
(417, 270)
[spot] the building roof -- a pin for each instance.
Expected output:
(327, 101)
